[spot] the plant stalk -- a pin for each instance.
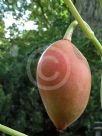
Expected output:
(84, 26)
(10, 131)
(100, 1)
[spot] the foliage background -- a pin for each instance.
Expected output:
(20, 105)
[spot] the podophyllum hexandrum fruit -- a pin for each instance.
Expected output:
(64, 82)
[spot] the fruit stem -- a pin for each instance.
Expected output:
(84, 26)
(70, 30)
(10, 131)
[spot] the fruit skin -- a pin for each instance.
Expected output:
(64, 104)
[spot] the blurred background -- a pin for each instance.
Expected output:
(26, 26)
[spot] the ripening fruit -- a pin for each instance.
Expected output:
(64, 82)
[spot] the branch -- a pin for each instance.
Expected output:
(43, 12)
(84, 26)
(10, 131)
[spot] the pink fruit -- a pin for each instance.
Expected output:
(64, 82)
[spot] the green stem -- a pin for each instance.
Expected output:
(69, 32)
(100, 1)
(10, 131)
(84, 26)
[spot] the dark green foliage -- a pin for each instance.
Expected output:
(20, 105)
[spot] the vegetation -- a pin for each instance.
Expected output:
(20, 105)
